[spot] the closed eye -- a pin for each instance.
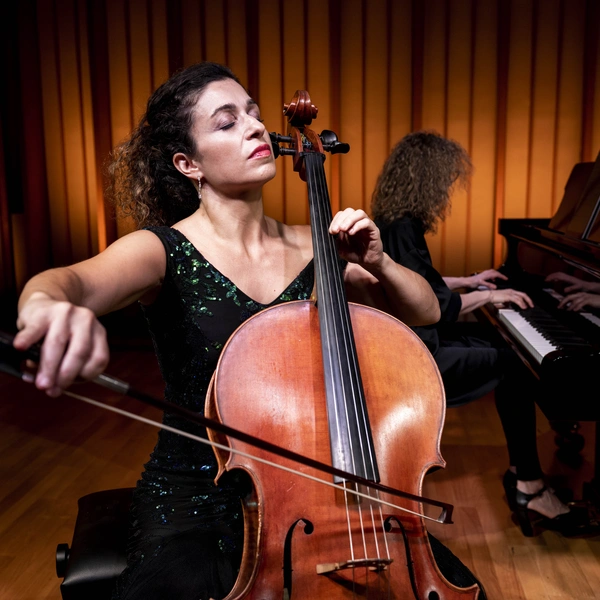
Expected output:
(232, 123)
(230, 111)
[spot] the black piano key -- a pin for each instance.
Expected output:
(552, 330)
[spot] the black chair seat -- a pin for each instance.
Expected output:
(97, 554)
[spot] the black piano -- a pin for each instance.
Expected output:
(562, 348)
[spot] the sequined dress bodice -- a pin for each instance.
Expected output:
(195, 313)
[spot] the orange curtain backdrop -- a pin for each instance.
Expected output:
(517, 82)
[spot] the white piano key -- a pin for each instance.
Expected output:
(537, 345)
(591, 318)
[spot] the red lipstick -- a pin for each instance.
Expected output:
(261, 152)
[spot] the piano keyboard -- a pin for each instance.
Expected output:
(526, 334)
(540, 333)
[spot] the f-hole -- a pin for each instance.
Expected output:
(287, 556)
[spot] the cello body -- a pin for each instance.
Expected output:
(308, 540)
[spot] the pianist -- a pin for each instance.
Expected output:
(412, 196)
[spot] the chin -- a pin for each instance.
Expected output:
(270, 172)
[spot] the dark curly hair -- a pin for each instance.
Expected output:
(143, 181)
(418, 177)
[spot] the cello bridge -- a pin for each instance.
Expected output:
(373, 564)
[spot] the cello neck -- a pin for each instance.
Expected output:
(349, 428)
(352, 448)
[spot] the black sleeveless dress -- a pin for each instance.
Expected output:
(186, 533)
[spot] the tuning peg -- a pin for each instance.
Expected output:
(331, 144)
(276, 139)
(275, 143)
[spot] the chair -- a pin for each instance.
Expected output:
(97, 555)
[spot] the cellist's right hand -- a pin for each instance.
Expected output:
(74, 341)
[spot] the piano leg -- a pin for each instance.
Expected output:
(591, 489)
(569, 441)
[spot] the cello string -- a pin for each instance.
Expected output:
(336, 291)
(357, 398)
(348, 355)
(196, 438)
(358, 409)
(351, 395)
(359, 406)
(326, 278)
(324, 281)
(330, 276)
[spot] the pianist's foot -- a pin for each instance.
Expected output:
(546, 503)
(536, 505)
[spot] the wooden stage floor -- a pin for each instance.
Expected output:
(55, 450)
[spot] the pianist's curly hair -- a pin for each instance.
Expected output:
(418, 179)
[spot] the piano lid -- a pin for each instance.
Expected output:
(592, 190)
(562, 220)
(574, 231)
(583, 186)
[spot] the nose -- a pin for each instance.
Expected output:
(255, 128)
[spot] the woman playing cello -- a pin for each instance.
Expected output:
(205, 259)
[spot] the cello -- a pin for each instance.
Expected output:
(343, 384)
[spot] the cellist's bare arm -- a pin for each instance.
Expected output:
(395, 290)
(374, 279)
(60, 306)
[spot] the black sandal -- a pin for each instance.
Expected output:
(509, 483)
(576, 522)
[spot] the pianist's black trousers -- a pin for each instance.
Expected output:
(473, 360)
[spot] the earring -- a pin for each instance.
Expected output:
(199, 188)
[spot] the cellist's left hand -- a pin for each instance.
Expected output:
(358, 238)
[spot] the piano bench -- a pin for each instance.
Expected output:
(97, 555)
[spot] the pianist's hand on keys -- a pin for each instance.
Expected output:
(485, 280)
(510, 296)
